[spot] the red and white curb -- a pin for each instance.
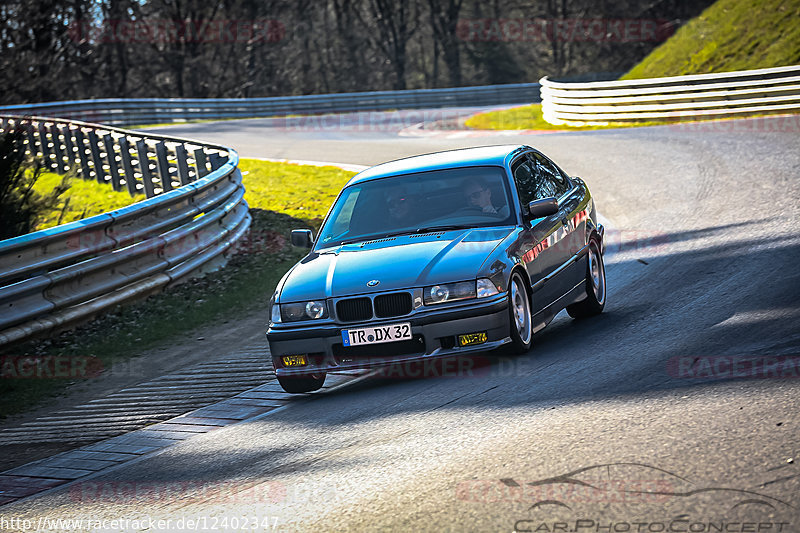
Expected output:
(418, 130)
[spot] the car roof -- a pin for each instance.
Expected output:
(465, 157)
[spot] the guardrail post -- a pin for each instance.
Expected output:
(69, 148)
(217, 160)
(111, 157)
(162, 166)
(127, 167)
(183, 165)
(144, 166)
(94, 146)
(200, 162)
(33, 149)
(45, 144)
(80, 142)
(55, 134)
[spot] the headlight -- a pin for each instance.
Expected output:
(486, 288)
(304, 311)
(449, 292)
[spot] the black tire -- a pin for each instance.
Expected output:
(595, 285)
(300, 384)
(519, 315)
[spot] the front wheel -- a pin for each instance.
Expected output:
(300, 384)
(519, 310)
(595, 286)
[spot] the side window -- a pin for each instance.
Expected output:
(556, 184)
(526, 182)
(536, 181)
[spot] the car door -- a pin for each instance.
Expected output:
(539, 250)
(569, 238)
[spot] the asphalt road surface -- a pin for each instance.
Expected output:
(675, 410)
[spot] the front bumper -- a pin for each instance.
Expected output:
(434, 333)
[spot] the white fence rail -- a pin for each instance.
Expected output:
(129, 111)
(727, 94)
(193, 215)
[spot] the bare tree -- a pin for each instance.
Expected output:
(396, 22)
(444, 16)
(315, 46)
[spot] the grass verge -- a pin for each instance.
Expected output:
(529, 117)
(83, 199)
(729, 35)
(281, 197)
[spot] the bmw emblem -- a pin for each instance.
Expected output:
(373, 283)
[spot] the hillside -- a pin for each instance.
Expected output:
(729, 35)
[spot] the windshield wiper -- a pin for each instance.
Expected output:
(403, 232)
(431, 229)
(368, 238)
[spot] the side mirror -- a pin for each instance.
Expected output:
(542, 208)
(302, 238)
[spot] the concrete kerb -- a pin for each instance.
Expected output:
(108, 445)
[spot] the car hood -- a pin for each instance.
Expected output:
(396, 263)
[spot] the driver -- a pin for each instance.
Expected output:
(398, 205)
(478, 194)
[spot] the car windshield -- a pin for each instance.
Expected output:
(416, 203)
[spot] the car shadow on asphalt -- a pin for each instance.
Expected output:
(666, 320)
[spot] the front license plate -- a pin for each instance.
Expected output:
(376, 335)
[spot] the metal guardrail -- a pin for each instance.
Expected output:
(726, 94)
(194, 214)
(158, 110)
